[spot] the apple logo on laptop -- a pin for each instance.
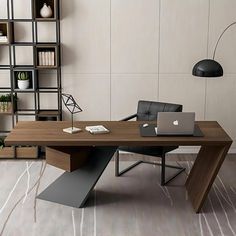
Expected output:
(175, 122)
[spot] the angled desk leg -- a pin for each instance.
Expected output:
(204, 172)
(73, 188)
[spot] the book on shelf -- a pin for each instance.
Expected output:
(46, 58)
(52, 58)
(3, 39)
(43, 58)
(40, 59)
(97, 129)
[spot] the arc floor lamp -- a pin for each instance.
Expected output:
(210, 67)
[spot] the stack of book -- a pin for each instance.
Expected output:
(3, 39)
(46, 58)
(97, 129)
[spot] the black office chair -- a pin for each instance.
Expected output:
(148, 111)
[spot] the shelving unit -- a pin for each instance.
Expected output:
(34, 70)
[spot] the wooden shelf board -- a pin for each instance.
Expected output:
(21, 152)
(23, 44)
(7, 152)
(46, 45)
(26, 152)
(46, 19)
(48, 113)
(21, 20)
(47, 67)
(23, 67)
(5, 113)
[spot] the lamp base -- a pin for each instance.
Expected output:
(72, 130)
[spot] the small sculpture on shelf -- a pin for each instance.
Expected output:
(23, 80)
(46, 11)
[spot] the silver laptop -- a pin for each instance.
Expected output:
(175, 123)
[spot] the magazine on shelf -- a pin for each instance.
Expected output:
(40, 59)
(3, 39)
(46, 58)
(97, 129)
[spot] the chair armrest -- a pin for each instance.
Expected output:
(129, 117)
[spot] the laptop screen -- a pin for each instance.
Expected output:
(175, 123)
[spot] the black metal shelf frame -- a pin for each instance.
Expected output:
(13, 66)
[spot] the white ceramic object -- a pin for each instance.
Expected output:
(23, 84)
(46, 11)
(72, 130)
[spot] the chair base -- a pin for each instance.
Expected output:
(163, 165)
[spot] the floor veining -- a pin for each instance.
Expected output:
(134, 204)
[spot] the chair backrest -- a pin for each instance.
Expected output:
(148, 110)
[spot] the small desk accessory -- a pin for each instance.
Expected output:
(73, 108)
(97, 129)
(150, 131)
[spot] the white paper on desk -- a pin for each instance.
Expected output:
(97, 129)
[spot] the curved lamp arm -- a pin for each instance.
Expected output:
(221, 37)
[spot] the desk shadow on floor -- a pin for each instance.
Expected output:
(106, 198)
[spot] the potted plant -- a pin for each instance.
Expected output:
(6, 103)
(23, 79)
(3, 103)
(1, 143)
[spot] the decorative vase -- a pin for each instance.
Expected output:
(23, 84)
(46, 11)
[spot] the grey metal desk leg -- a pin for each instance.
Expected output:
(73, 188)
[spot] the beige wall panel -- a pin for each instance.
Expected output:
(184, 89)
(46, 32)
(85, 36)
(24, 55)
(126, 92)
(25, 100)
(23, 32)
(183, 34)
(3, 9)
(48, 101)
(5, 79)
(134, 36)
(221, 97)
(92, 92)
(22, 9)
(5, 124)
(4, 55)
(47, 80)
(26, 118)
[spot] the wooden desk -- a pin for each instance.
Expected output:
(214, 147)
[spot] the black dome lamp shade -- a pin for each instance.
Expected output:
(210, 67)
